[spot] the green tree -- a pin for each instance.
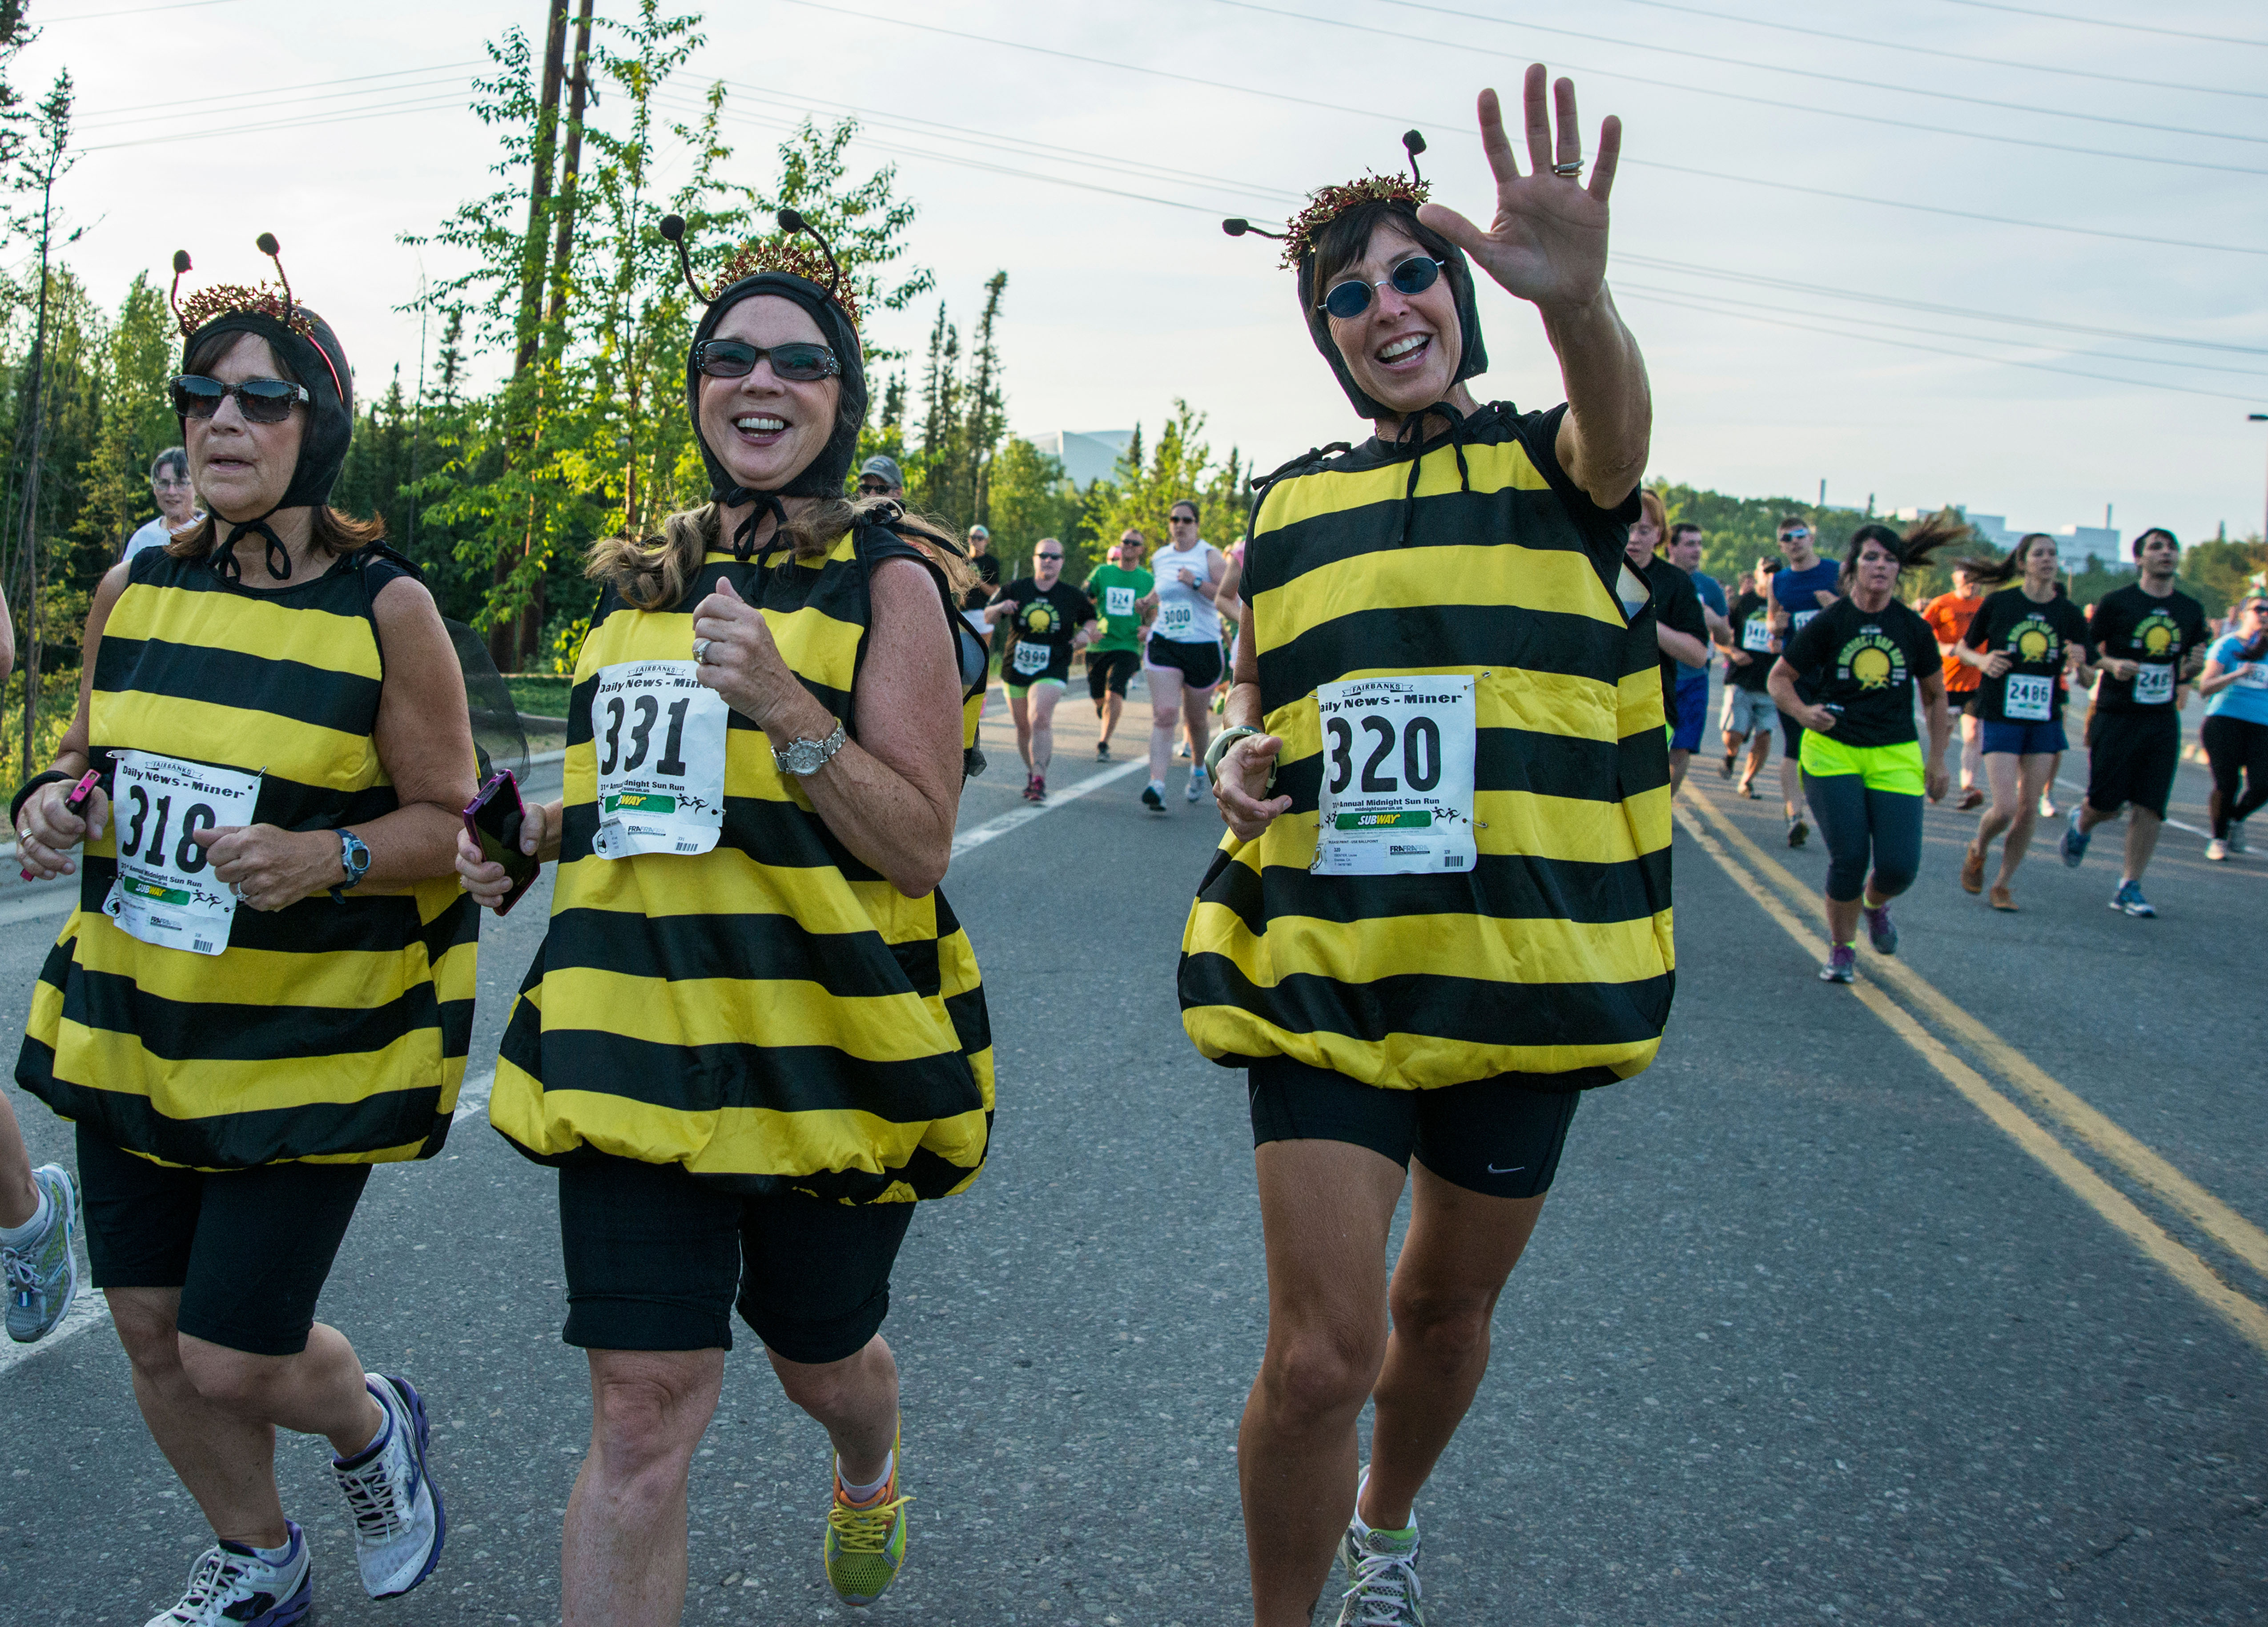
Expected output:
(1032, 499)
(1142, 492)
(135, 420)
(865, 221)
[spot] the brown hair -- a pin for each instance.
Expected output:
(1649, 507)
(650, 573)
(2000, 572)
(329, 533)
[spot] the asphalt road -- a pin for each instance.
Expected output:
(1812, 1329)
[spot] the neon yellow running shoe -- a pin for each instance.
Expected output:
(867, 1546)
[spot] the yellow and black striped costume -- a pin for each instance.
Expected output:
(773, 1012)
(1552, 959)
(333, 1031)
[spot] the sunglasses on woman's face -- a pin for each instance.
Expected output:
(730, 359)
(1414, 275)
(261, 400)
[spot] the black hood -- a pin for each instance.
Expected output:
(824, 475)
(1471, 363)
(316, 361)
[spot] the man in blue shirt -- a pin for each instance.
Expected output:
(1684, 551)
(1804, 588)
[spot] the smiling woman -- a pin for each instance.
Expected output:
(1442, 910)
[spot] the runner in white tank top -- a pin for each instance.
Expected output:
(1183, 662)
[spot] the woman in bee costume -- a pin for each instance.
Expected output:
(754, 1034)
(267, 985)
(1442, 909)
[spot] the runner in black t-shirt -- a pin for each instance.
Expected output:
(2145, 643)
(2025, 640)
(1046, 620)
(1750, 712)
(1679, 627)
(1863, 660)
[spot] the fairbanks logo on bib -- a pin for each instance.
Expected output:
(1397, 791)
(165, 893)
(659, 735)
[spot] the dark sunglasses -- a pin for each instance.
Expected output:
(729, 358)
(1047, 555)
(1414, 275)
(261, 400)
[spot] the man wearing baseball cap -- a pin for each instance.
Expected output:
(879, 477)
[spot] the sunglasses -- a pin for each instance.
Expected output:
(261, 400)
(1047, 555)
(1414, 275)
(1184, 519)
(729, 358)
(872, 488)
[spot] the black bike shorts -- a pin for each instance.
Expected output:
(250, 1249)
(1110, 669)
(1495, 1137)
(1199, 664)
(2131, 757)
(657, 1259)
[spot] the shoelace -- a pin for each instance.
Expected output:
(866, 1530)
(378, 1514)
(1384, 1587)
(219, 1577)
(23, 1276)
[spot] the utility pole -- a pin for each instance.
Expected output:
(2261, 418)
(505, 635)
(54, 127)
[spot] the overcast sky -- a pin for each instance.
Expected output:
(1769, 376)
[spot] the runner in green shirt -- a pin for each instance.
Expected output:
(1116, 589)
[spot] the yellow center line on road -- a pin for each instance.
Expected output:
(2141, 1162)
(2184, 1267)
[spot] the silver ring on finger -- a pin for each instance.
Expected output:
(1571, 168)
(237, 887)
(700, 652)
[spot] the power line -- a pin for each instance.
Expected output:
(136, 10)
(1906, 328)
(1341, 108)
(1721, 274)
(2104, 22)
(266, 93)
(1691, 303)
(1802, 73)
(107, 121)
(1956, 57)
(438, 104)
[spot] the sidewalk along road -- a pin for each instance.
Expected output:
(1804, 1333)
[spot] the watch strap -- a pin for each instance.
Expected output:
(784, 760)
(1219, 748)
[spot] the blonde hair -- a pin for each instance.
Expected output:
(1649, 503)
(652, 573)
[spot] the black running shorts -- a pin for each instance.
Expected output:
(1493, 1136)
(2131, 757)
(1111, 669)
(1199, 664)
(658, 1258)
(249, 1248)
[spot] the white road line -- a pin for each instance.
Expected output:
(977, 836)
(474, 1095)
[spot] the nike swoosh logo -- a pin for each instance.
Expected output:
(1514, 1170)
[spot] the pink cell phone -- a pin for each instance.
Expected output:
(492, 819)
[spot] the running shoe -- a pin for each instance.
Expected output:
(1154, 796)
(43, 1272)
(2129, 898)
(1972, 799)
(1797, 830)
(1725, 771)
(2048, 809)
(1102, 751)
(1881, 931)
(1197, 786)
(1842, 964)
(1031, 788)
(865, 1545)
(1184, 750)
(1972, 869)
(2217, 850)
(1382, 1570)
(2236, 838)
(1039, 788)
(234, 1586)
(2001, 898)
(1747, 789)
(2074, 844)
(399, 1522)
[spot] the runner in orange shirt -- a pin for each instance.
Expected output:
(1948, 615)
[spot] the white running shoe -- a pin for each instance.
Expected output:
(2236, 838)
(42, 1275)
(399, 1522)
(1382, 1570)
(232, 1586)
(1197, 787)
(2217, 850)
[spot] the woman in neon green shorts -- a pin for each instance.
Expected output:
(1864, 775)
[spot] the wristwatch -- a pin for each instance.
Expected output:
(808, 756)
(1222, 741)
(354, 858)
